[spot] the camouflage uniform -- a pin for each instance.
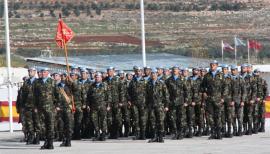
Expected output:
(30, 113)
(64, 102)
(196, 97)
(157, 98)
(77, 96)
(177, 111)
(137, 97)
(113, 116)
(238, 94)
(190, 108)
(251, 106)
(98, 98)
(212, 85)
(227, 110)
(87, 125)
(262, 93)
(44, 91)
(125, 111)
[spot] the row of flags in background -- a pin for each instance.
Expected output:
(251, 44)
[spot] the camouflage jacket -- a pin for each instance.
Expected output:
(196, 89)
(238, 90)
(125, 84)
(137, 91)
(251, 87)
(45, 93)
(226, 90)
(157, 94)
(261, 84)
(98, 95)
(27, 94)
(84, 89)
(213, 86)
(76, 88)
(178, 92)
(115, 89)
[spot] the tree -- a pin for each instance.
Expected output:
(88, 11)
(65, 11)
(52, 13)
(77, 11)
(41, 14)
(82, 6)
(57, 5)
(1, 10)
(98, 11)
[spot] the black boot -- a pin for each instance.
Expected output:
(249, 131)
(229, 133)
(137, 136)
(262, 128)
(36, 140)
(199, 132)
(212, 134)
(50, 144)
(45, 145)
(160, 137)
(63, 144)
(126, 134)
(189, 133)
(142, 135)
(30, 139)
(239, 133)
(234, 131)
(68, 142)
(180, 135)
(175, 136)
(154, 138)
(102, 136)
(97, 136)
(219, 134)
(255, 129)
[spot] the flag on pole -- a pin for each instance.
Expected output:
(227, 46)
(64, 34)
(254, 45)
(239, 42)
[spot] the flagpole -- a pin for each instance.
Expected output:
(143, 34)
(66, 57)
(235, 51)
(222, 50)
(8, 66)
(248, 51)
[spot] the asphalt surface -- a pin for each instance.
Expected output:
(255, 144)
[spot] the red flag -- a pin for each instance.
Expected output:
(64, 34)
(254, 45)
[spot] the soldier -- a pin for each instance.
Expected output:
(262, 93)
(87, 125)
(178, 103)
(238, 94)
(147, 73)
(77, 98)
(157, 99)
(30, 112)
(98, 98)
(190, 107)
(227, 109)
(137, 98)
(212, 87)
(44, 91)
(64, 108)
(124, 105)
(250, 110)
(196, 98)
(115, 90)
(166, 73)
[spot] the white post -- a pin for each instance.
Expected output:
(248, 51)
(143, 34)
(235, 51)
(222, 50)
(8, 66)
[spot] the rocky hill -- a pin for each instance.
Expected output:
(187, 27)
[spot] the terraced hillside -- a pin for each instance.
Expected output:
(194, 28)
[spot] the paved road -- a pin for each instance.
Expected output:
(260, 143)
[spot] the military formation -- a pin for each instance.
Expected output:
(148, 103)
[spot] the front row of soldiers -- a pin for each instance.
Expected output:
(150, 103)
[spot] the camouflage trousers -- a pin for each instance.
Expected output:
(250, 114)
(77, 121)
(156, 122)
(198, 112)
(190, 116)
(138, 115)
(31, 121)
(98, 118)
(261, 114)
(238, 118)
(48, 115)
(87, 127)
(114, 120)
(58, 125)
(67, 118)
(125, 119)
(178, 118)
(214, 108)
(229, 114)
